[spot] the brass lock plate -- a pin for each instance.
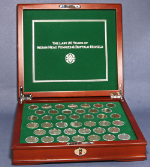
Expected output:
(80, 151)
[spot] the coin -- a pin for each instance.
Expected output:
(113, 129)
(33, 107)
(109, 137)
(90, 123)
(61, 124)
(124, 136)
(74, 116)
(69, 131)
(88, 116)
(106, 110)
(85, 105)
(98, 105)
(63, 139)
(47, 125)
(32, 125)
(111, 105)
(80, 111)
(32, 118)
(53, 111)
(102, 116)
(78, 138)
(76, 124)
(39, 112)
(61, 117)
(94, 138)
(99, 130)
(47, 139)
(54, 131)
(47, 117)
(31, 139)
(104, 123)
(93, 110)
(72, 106)
(118, 123)
(84, 131)
(115, 115)
(46, 106)
(66, 111)
(39, 132)
(59, 106)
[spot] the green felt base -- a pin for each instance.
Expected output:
(26, 132)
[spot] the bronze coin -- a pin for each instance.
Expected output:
(46, 117)
(66, 111)
(102, 116)
(46, 106)
(80, 111)
(53, 111)
(72, 106)
(98, 105)
(111, 105)
(106, 110)
(115, 115)
(93, 110)
(88, 116)
(33, 107)
(118, 123)
(32, 118)
(61, 117)
(90, 123)
(113, 129)
(39, 112)
(59, 106)
(85, 105)
(74, 116)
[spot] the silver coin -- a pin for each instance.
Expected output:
(61, 117)
(113, 129)
(101, 116)
(90, 123)
(84, 131)
(118, 123)
(46, 106)
(39, 112)
(33, 107)
(88, 116)
(31, 139)
(54, 131)
(47, 125)
(63, 139)
(78, 138)
(47, 139)
(80, 111)
(46, 117)
(32, 125)
(76, 124)
(94, 138)
(59, 106)
(69, 131)
(53, 111)
(111, 105)
(61, 124)
(74, 116)
(98, 105)
(104, 123)
(93, 110)
(115, 115)
(66, 111)
(85, 105)
(99, 130)
(124, 136)
(39, 132)
(72, 106)
(32, 118)
(109, 137)
(106, 110)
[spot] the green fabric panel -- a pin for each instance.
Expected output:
(50, 64)
(26, 132)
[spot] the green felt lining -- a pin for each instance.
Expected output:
(47, 70)
(26, 132)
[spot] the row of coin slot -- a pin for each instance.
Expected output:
(77, 138)
(72, 106)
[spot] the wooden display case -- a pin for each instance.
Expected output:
(36, 88)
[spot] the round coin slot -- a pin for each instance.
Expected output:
(109, 137)
(104, 123)
(93, 110)
(47, 139)
(78, 138)
(33, 107)
(124, 136)
(118, 123)
(63, 139)
(46, 106)
(88, 116)
(74, 116)
(47, 125)
(111, 105)
(113, 129)
(69, 131)
(99, 130)
(93, 138)
(53, 111)
(72, 106)
(98, 105)
(84, 131)
(32, 118)
(31, 139)
(32, 125)
(80, 111)
(106, 110)
(46, 117)
(101, 116)
(76, 124)
(90, 123)
(39, 112)
(66, 111)
(85, 105)
(61, 117)
(59, 106)
(61, 124)
(39, 132)
(54, 131)
(115, 115)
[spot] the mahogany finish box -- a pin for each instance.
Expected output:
(71, 106)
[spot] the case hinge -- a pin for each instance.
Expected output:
(24, 97)
(117, 95)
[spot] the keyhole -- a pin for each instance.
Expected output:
(80, 151)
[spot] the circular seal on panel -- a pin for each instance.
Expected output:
(31, 139)
(80, 111)
(70, 58)
(93, 110)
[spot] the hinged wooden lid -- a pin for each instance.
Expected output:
(67, 51)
